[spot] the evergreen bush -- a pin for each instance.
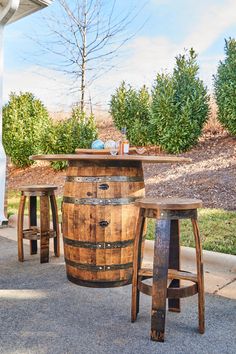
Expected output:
(179, 106)
(131, 109)
(63, 137)
(225, 87)
(24, 120)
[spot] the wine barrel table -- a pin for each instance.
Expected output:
(99, 215)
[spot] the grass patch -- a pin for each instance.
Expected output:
(217, 230)
(217, 226)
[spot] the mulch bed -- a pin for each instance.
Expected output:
(211, 176)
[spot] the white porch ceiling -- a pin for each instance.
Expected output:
(26, 7)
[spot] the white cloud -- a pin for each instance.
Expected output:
(144, 57)
(214, 20)
(48, 85)
(208, 67)
(147, 56)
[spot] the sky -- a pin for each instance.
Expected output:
(163, 29)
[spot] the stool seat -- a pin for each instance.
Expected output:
(38, 188)
(169, 203)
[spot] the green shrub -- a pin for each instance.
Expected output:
(65, 136)
(24, 120)
(225, 87)
(131, 109)
(179, 106)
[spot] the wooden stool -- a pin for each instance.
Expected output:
(33, 233)
(166, 262)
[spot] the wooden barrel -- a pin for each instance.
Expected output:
(99, 219)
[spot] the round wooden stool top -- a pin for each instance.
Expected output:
(169, 203)
(38, 188)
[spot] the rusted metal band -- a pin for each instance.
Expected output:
(37, 193)
(169, 214)
(104, 179)
(98, 245)
(178, 214)
(97, 201)
(172, 293)
(98, 268)
(100, 283)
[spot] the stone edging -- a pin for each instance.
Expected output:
(219, 261)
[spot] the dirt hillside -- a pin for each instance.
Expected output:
(211, 176)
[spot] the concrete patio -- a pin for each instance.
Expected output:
(42, 312)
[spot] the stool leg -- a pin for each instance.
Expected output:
(136, 265)
(200, 276)
(55, 222)
(174, 262)
(20, 226)
(33, 221)
(160, 274)
(44, 229)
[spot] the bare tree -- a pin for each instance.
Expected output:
(84, 36)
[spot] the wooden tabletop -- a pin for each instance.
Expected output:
(144, 159)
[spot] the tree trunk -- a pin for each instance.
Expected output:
(84, 55)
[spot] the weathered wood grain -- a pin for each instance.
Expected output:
(33, 222)
(200, 277)
(144, 159)
(174, 262)
(20, 227)
(137, 265)
(99, 219)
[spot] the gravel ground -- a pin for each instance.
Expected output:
(42, 312)
(211, 176)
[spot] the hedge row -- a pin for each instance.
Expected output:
(172, 115)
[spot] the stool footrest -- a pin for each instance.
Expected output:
(172, 293)
(33, 233)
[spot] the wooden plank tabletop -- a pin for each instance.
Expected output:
(144, 159)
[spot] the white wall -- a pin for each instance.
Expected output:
(2, 152)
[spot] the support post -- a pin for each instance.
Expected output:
(7, 11)
(3, 219)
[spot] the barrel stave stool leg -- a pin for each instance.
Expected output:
(33, 221)
(55, 222)
(44, 228)
(200, 277)
(160, 275)
(20, 226)
(137, 265)
(174, 262)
